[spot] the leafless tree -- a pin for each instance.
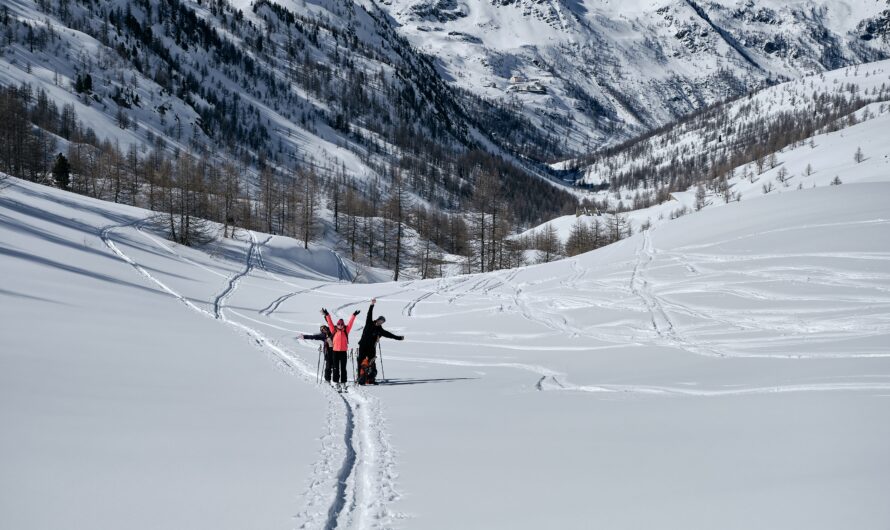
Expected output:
(548, 244)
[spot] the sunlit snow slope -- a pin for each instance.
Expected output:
(730, 369)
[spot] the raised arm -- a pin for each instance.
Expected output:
(351, 322)
(370, 318)
(327, 317)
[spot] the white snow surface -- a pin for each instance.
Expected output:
(730, 369)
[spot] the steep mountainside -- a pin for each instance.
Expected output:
(744, 138)
(335, 83)
(325, 85)
(593, 72)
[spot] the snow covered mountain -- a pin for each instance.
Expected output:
(593, 72)
(328, 87)
(725, 370)
(821, 130)
(335, 84)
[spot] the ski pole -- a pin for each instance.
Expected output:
(354, 373)
(380, 354)
(318, 366)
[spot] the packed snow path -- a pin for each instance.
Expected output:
(726, 370)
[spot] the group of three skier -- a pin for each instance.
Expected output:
(335, 341)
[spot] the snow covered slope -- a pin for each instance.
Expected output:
(119, 408)
(727, 370)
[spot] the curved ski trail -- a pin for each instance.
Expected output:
(220, 300)
(661, 322)
(365, 482)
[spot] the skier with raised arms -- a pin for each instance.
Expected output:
(340, 341)
(367, 346)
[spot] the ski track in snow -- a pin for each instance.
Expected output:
(220, 300)
(162, 244)
(275, 304)
(356, 493)
(665, 331)
(755, 235)
(105, 235)
(473, 288)
(781, 322)
(551, 380)
(662, 324)
(358, 302)
(558, 323)
(442, 287)
(577, 275)
(408, 310)
(349, 463)
(555, 383)
(365, 482)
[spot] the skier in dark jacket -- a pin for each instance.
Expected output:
(367, 346)
(327, 339)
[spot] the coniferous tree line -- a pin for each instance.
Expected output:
(587, 233)
(382, 223)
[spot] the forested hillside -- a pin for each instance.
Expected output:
(348, 123)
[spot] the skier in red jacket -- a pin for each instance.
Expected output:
(340, 333)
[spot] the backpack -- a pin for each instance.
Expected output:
(367, 371)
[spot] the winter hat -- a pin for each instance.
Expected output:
(341, 322)
(381, 320)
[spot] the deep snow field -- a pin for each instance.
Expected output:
(729, 369)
